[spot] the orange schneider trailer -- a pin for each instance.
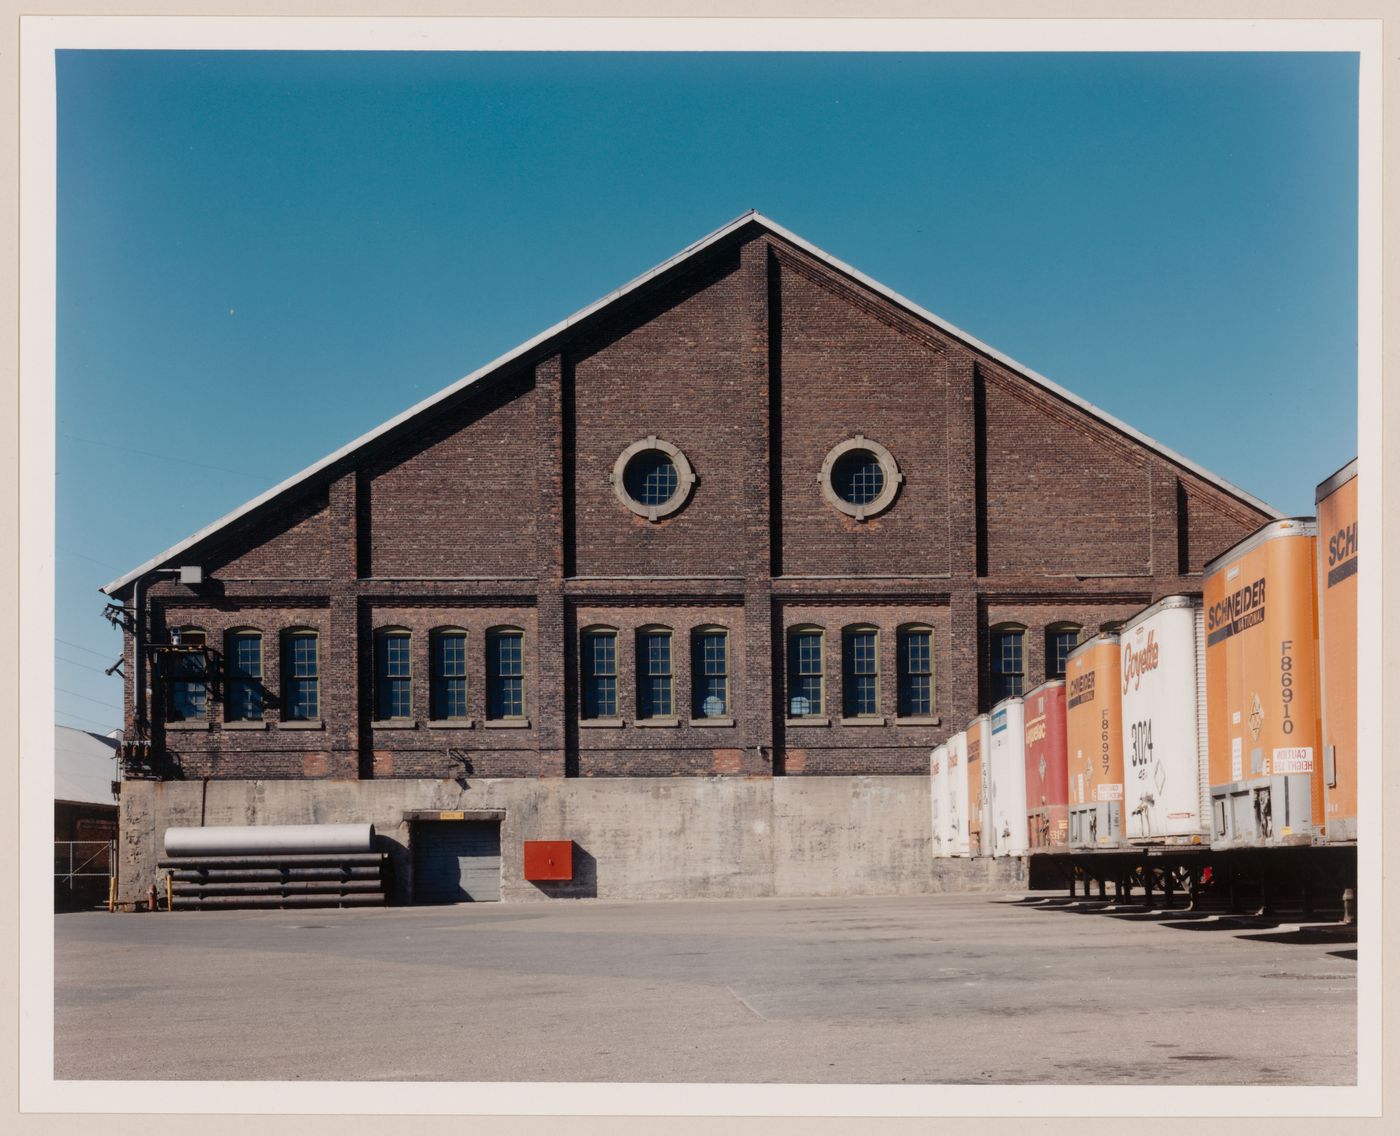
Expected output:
(1047, 800)
(1261, 684)
(1094, 743)
(978, 737)
(1336, 614)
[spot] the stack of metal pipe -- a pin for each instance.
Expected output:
(304, 865)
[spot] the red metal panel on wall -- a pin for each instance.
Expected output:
(549, 859)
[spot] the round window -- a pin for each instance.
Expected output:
(652, 478)
(857, 477)
(860, 478)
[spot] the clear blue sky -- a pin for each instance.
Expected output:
(263, 255)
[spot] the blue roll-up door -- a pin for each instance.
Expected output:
(456, 861)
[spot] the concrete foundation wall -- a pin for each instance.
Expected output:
(635, 838)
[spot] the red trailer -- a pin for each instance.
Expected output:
(1047, 772)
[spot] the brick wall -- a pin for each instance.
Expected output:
(292, 541)
(495, 509)
(848, 369)
(687, 367)
(457, 499)
(1063, 497)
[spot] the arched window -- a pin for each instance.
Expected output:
(654, 688)
(709, 672)
(505, 673)
(860, 679)
(598, 673)
(186, 675)
(301, 675)
(1060, 639)
(806, 672)
(243, 674)
(449, 694)
(393, 674)
(1008, 661)
(916, 686)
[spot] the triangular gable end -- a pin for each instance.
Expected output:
(665, 268)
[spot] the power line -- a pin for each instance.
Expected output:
(164, 457)
(89, 650)
(75, 663)
(91, 721)
(84, 556)
(75, 694)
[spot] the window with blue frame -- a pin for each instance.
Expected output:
(301, 676)
(654, 674)
(1008, 650)
(1060, 640)
(449, 696)
(710, 673)
(805, 672)
(599, 678)
(505, 674)
(916, 672)
(186, 674)
(243, 673)
(861, 678)
(394, 673)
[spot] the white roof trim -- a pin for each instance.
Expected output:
(691, 250)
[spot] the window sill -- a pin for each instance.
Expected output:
(451, 724)
(394, 724)
(656, 723)
(934, 721)
(200, 725)
(300, 724)
(245, 724)
(703, 722)
(506, 723)
(806, 723)
(880, 721)
(600, 723)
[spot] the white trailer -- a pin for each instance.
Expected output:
(938, 795)
(1006, 779)
(957, 794)
(1166, 789)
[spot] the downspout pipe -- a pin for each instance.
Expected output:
(138, 662)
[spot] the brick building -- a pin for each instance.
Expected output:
(751, 516)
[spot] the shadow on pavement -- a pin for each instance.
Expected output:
(1309, 936)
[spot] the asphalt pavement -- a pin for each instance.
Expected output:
(949, 989)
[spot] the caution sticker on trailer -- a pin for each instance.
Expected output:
(1293, 759)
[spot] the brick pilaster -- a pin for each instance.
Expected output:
(550, 699)
(341, 649)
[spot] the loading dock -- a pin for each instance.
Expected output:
(456, 856)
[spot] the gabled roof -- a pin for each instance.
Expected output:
(752, 217)
(84, 767)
